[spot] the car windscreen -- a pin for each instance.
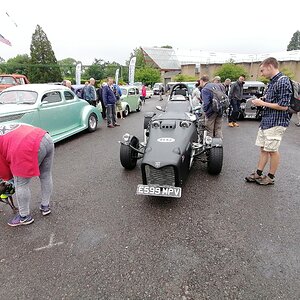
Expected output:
(124, 91)
(7, 80)
(18, 97)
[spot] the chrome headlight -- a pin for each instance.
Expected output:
(208, 140)
(155, 124)
(185, 124)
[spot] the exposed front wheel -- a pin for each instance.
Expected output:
(92, 123)
(129, 156)
(215, 160)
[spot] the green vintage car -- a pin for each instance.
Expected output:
(131, 100)
(54, 108)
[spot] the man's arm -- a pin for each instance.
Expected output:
(260, 102)
(104, 95)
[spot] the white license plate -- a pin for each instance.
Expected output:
(161, 191)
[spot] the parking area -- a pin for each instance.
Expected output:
(223, 239)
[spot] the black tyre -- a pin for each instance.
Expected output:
(128, 156)
(215, 160)
(139, 106)
(126, 111)
(92, 123)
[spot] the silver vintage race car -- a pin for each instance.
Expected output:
(173, 139)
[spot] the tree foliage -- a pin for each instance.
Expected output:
(17, 65)
(147, 75)
(295, 42)
(68, 67)
(101, 69)
(140, 60)
(44, 66)
(184, 78)
(230, 70)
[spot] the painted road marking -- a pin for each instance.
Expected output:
(50, 245)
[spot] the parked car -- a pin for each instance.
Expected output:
(149, 93)
(157, 87)
(8, 80)
(130, 99)
(251, 89)
(54, 108)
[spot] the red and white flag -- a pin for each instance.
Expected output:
(4, 40)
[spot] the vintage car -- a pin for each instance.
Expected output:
(158, 86)
(8, 80)
(149, 93)
(54, 108)
(251, 90)
(130, 99)
(173, 139)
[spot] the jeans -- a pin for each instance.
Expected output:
(111, 114)
(234, 111)
(45, 160)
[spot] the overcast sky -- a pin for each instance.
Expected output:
(110, 30)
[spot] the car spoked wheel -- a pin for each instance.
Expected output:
(128, 156)
(215, 160)
(92, 123)
(125, 112)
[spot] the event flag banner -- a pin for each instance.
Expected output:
(117, 76)
(4, 40)
(131, 70)
(78, 73)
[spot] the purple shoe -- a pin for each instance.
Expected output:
(45, 209)
(19, 220)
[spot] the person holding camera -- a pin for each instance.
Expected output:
(25, 152)
(275, 120)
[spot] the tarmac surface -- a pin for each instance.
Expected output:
(223, 239)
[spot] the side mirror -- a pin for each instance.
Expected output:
(159, 108)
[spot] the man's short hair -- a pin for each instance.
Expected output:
(243, 75)
(205, 78)
(270, 61)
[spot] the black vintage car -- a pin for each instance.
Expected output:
(251, 90)
(173, 139)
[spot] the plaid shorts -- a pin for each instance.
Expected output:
(270, 139)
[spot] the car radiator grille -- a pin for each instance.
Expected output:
(162, 176)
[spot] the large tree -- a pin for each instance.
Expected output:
(230, 70)
(44, 66)
(140, 60)
(19, 64)
(67, 67)
(147, 75)
(295, 42)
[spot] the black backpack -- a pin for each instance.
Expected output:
(294, 106)
(220, 101)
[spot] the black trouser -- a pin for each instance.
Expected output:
(103, 109)
(234, 110)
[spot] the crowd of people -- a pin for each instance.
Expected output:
(27, 151)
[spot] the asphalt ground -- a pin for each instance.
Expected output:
(223, 239)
